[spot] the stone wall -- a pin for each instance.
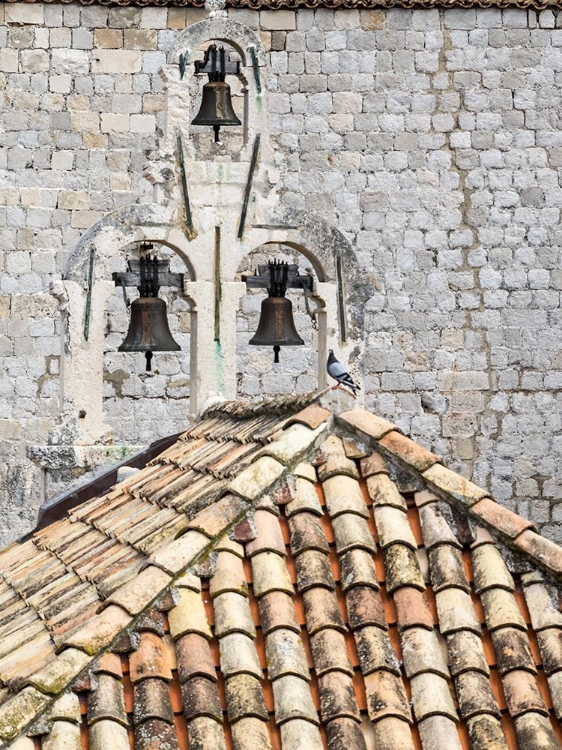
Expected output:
(432, 139)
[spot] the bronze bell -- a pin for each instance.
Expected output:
(276, 326)
(216, 107)
(148, 329)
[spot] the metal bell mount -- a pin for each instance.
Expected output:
(148, 328)
(216, 108)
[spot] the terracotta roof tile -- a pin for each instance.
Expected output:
(372, 465)
(352, 532)
(250, 733)
(392, 526)
(431, 696)
(313, 569)
(406, 451)
(392, 733)
(200, 698)
(550, 644)
(344, 734)
(213, 520)
(150, 659)
(343, 495)
(232, 614)
(63, 734)
(321, 608)
(402, 568)
(446, 482)
(456, 611)
(490, 570)
(135, 595)
(522, 693)
(329, 652)
(305, 498)
(293, 442)
(412, 608)
(189, 616)
(555, 687)
(66, 708)
(501, 609)
(386, 696)
(500, 518)
(244, 698)
(152, 701)
(375, 651)
(99, 631)
(60, 670)
(546, 552)
(238, 654)
(337, 462)
(365, 423)
(204, 733)
(257, 478)
(155, 734)
(475, 695)
(422, 652)
(307, 533)
(543, 607)
(312, 416)
(512, 650)
(466, 653)
(269, 537)
(285, 655)
(383, 491)
(194, 657)
(301, 735)
(107, 701)
(357, 569)
(293, 700)
(270, 574)
(486, 733)
(435, 528)
(439, 732)
(534, 732)
(364, 607)
(277, 611)
(229, 575)
(337, 697)
(105, 733)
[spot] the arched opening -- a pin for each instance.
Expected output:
(256, 372)
(143, 406)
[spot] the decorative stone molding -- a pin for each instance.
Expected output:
(332, 4)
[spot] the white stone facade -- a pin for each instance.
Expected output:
(430, 138)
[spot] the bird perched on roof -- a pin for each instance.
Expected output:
(338, 372)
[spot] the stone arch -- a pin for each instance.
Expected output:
(117, 230)
(221, 29)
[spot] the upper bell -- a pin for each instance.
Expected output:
(149, 330)
(216, 106)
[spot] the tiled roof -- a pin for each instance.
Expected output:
(283, 580)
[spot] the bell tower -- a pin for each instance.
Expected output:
(214, 202)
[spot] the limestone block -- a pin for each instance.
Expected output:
(278, 20)
(62, 160)
(34, 61)
(25, 13)
(154, 18)
(115, 123)
(72, 200)
(8, 60)
(71, 61)
(108, 38)
(124, 61)
(85, 219)
(84, 121)
(141, 38)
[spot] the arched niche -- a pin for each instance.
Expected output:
(181, 105)
(83, 296)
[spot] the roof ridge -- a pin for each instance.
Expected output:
(159, 575)
(243, 408)
(516, 532)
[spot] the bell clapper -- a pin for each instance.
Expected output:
(276, 350)
(216, 128)
(148, 356)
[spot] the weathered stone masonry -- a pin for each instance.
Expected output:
(431, 139)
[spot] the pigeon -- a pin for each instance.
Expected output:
(338, 372)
